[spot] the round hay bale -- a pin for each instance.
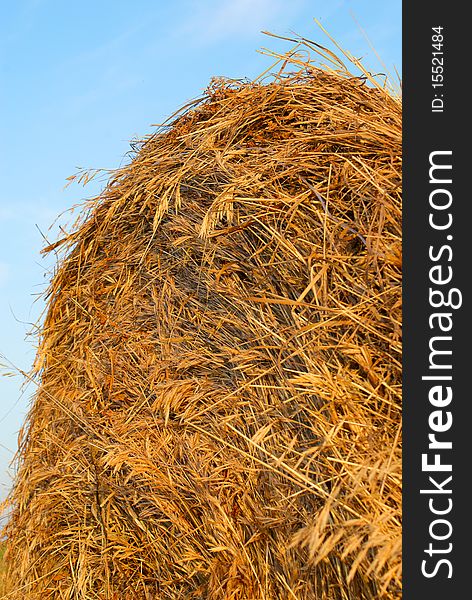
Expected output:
(218, 404)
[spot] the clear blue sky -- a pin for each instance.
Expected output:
(79, 80)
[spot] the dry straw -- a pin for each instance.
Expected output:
(219, 378)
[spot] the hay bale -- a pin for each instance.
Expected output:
(218, 404)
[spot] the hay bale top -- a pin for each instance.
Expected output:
(219, 376)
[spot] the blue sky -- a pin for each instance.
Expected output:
(79, 80)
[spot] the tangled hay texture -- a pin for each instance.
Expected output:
(219, 378)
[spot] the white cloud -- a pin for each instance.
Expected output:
(7, 212)
(212, 22)
(4, 273)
